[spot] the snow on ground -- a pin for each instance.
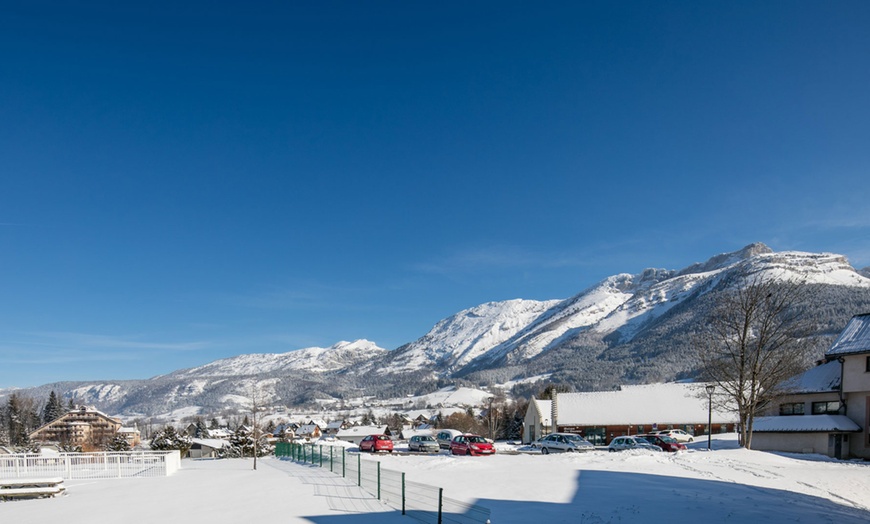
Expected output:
(726, 485)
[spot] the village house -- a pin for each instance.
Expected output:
(334, 427)
(85, 426)
(201, 448)
(825, 410)
(131, 435)
(537, 421)
(308, 432)
(599, 416)
(355, 434)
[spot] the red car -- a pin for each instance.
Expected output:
(375, 443)
(663, 441)
(471, 445)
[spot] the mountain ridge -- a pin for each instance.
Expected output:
(624, 329)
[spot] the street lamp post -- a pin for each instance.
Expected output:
(710, 388)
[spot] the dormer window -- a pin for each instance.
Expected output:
(867, 367)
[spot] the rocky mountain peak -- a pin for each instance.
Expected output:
(724, 260)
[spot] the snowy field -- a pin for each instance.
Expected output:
(726, 485)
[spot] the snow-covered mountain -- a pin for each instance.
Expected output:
(618, 308)
(313, 359)
(625, 329)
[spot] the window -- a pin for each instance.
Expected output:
(792, 408)
(867, 368)
(826, 408)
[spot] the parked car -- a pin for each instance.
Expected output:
(423, 443)
(663, 441)
(626, 443)
(677, 434)
(562, 442)
(471, 445)
(445, 437)
(375, 443)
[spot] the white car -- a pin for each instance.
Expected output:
(630, 443)
(562, 442)
(677, 434)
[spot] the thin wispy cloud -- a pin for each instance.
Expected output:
(478, 259)
(87, 340)
(306, 296)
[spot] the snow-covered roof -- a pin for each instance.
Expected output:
(683, 403)
(820, 379)
(214, 443)
(307, 429)
(355, 431)
(855, 337)
(408, 433)
(544, 408)
(804, 423)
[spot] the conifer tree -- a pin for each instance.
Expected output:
(53, 409)
(168, 438)
(118, 443)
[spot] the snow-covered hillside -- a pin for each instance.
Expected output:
(459, 339)
(313, 359)
(625, 329)
(517, 330)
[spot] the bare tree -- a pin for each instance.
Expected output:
(756, 339)
(256, 397)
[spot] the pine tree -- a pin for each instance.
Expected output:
(118, 443)
(53, 409)
(168, 438)
(18, 420)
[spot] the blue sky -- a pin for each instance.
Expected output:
(186, 181)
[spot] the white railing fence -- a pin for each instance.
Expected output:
(91, 465)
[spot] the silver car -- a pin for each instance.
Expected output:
(562, 442)
(423, 443)
(625, 443)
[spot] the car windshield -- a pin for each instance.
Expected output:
(383, 437)
(427, 439)
(669, 440)
(641, 440)
(576, 439)
(477, 440)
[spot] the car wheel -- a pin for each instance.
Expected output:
(691, 439)
(468, 452)
(611, 450)
(545, 451)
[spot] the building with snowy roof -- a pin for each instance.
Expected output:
(84, 426)
(537, 421)
(826, 409)
(355, 434)
(599, 416)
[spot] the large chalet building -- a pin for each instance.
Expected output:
(84, 426)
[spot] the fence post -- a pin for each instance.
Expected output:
(440, 503)
(359, 470)
(379, 480)
(321, 455)
(343, 462)
(403, 493)
(331, 449)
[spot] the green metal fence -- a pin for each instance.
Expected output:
(420, 501)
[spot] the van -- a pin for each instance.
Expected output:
(445, 436)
